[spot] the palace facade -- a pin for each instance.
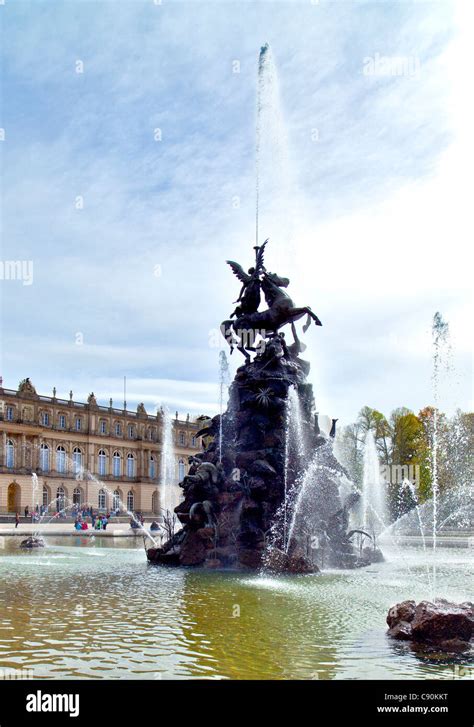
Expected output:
(84, 453)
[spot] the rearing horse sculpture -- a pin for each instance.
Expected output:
(243, 331)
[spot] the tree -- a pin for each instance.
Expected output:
(350, 447)
(373, 419)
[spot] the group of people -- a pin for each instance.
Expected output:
(36, 514)
(99, 521)
(81, 525)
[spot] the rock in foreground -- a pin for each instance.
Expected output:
(277, 561)
(439, 623)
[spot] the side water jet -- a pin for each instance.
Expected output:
(224, 375)
(296, 457)
(440, 333)
(374, 499)
(167, 470)
(437, 625)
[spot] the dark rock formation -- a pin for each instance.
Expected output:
(32, 542)
(279, 561)
(441, 624)
(235, 487)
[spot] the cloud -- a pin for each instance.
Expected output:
(370, 219)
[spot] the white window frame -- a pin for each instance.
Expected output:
(77, 460)
(116, 501)
(117, 458)
(10, 454)
(44, 457)
(130, 465)
(102, 463)
(61, 463)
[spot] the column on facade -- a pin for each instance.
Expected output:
(23, 459)
(35, 443)
(90, 459)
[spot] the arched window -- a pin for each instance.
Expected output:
(117, 464)
(152, 468)
(44, 457)
(116, 501)
(181, 470)
(10, 454)
(155, 503)
(76, 496)
(130, 501)
(60, 459)
(102, 462)
(60, 499)
(77, 460)
(130, 465)
(101, 500)
(45, 496)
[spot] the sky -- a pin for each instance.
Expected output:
(129, 178)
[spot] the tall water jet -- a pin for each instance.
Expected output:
(440, 334)
(34, 490)
(374, 499)
(274, 180)
(167, 470)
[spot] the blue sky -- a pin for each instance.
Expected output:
(371, 218)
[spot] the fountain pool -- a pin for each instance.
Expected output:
(96, 610)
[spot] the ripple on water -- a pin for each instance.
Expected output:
(98, 611)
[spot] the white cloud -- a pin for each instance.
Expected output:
(379, 213)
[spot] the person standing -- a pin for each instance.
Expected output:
(17, 519)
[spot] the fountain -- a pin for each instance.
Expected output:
(253, 471)
(223, 385)
(33, 541)
(167, 470)
(248, 497)
(437, 624)
(374, 503)
(63, 504)
(440, 333)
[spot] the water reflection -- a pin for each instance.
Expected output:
(97, 610)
